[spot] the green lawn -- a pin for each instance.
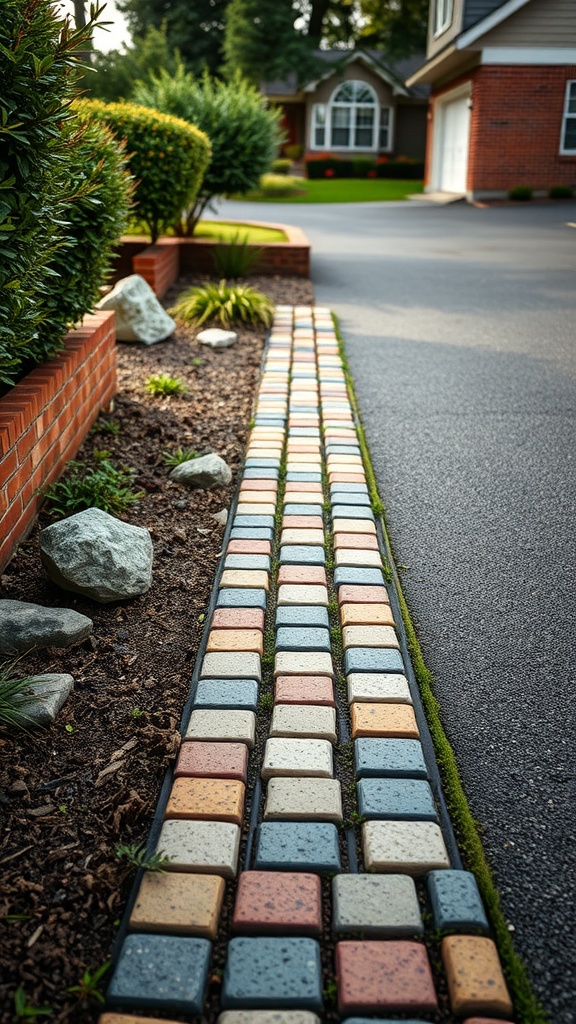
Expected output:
(346, 190)
(221, 230)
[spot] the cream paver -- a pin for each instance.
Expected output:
(303, 799)
(231, 665)
(351, 556)
(234, 726)
(404, 847)
(302, 594)
(296, 757)
(353, 526)
(250, 508)
(369, 636)
(378, 687)
(202, 847)
(303, 663)
(257, 578)
(306, 537)
(308, 720)
(178, 903)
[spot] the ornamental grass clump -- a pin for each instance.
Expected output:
(225, 304)
(16, 695)
(101, 486)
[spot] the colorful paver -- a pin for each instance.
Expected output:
(331, 696)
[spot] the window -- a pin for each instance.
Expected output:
(568, 141)
(353, 120)
(442, 16)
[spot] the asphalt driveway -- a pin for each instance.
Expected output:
(460, 328)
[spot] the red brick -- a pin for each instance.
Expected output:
(213, 760)
(394, 977)
(278, 902)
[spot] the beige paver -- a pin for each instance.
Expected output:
(366, 615)
(303, 663)
(235, 726)
(231, 665)
(315, 721)
(351, 556)
(378, 687)
(266, 1017)
(303, 799)
(203, 847)
(295, 593)
(235, 640)
(353, 526)
(404, 847)
(295, 757)
(246, 578)
(178, 903)
(369, 636)
(306, 537)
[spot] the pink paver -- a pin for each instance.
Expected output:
(200, 758)
(238, 618)
(303, 486)
(355, 541)
(304, 690)
(261, 485)
(302, 574)
(391, 976)
(346, 478)
(302, 523)
(350, 593)
(249, 547)
(278, 902)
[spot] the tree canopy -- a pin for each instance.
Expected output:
(398, 27)
(117, 72)
(195, 28)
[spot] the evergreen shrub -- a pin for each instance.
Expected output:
(167, 157)
(402, 170)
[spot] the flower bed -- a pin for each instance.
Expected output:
(45, 418)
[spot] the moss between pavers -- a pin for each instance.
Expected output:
(526, 1004)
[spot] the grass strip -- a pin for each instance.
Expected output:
(528, 1009)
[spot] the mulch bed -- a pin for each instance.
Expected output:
(71, 794)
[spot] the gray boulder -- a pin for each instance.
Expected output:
(93, 553)
(139, 315)
(24, 626)
(47, 695)
(215, 337)
(207, 472)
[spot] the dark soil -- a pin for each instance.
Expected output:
(69, 795)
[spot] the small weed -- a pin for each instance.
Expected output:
(87, 988)
(135, 854)
(22, 1008)
(201, 617)
(266, 701)
(179, 456)
(164, 384)
(105, 426)
(63, 809)
(331, 991)
(69, 728)
(101, 454)
(103, 486)
(137, 713)
(197, 362)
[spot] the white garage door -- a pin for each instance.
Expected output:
(453, 149)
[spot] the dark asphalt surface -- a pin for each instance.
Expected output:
(460, 329)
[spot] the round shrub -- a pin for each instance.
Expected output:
(561, 192)
(244, 134)
(280, 166)
(520, 193)
(167, 157)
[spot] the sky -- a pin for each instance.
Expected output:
(117, 32)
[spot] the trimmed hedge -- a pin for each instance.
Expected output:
(167, 157)
(363, 167)
(407, 170)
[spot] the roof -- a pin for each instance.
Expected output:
(394, 72)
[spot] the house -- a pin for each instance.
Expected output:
(358, 105)
(503, 101)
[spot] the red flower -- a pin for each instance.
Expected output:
(329, 172)
(371, 174)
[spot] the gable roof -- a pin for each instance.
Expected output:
(394, 73)
(488, 22)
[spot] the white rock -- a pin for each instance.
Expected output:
(24, 626)
(221, 517)
(47, 695)
(215, 337)
(93, 553)
(206, 472)
(139, 315)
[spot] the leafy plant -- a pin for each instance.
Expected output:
(87, 988)
(280, 166)
(22, 1008)
(235, 258)
(561, 192)
(106, 426)
(179, 456)
(101, 486)
(275, 186)
(167, 156)
(520, 193)
(15, 696)
(228, 304)
(244, 133)
(164, 384)
(135, 854)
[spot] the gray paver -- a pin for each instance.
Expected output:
(294, 638)
(312, 721)
(295, 757)
(406, 847)
(382, 758)
(263, 521)
(383, 687)
(300, 477)
(297, 846)
(227, 693)
(268, 1017)
(351, 512)
(303, 663)
(161, 972)
(357, 500)
(384, 906)
(358, 577)
(273, 972)
(372, 659)
(456, 902)
(302, 615)
(247, 533)
(232, 725)
(396, 799)
(260, 474)
(241, 597)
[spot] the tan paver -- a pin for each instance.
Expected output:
(302, 594)
(178, 903)
(369, 636)
(354, 557)
(303, 799)
(235, 640)
(353, 526)
(475, 980)
(366, 615)
(303, 663)
(306, 537)
(207, 800)
(295, 758)
(394, 720)
(257, 578)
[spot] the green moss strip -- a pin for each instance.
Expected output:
(527, 1007)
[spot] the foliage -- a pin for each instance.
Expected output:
(179, 456)
(294, 150)
(135, 854)
(561, 192)
(38, 71)
(87, 987)
(116, 72)
(280, 166)
(345, 190)
(15, 695)
(225, 303)
(520, 193)
(399, 27)
(196, 29)
(401, 169)
(327, 166)
(261, 42)
(274, 186)
(235, 258)
(164, 384)
(23, 1010)
(244, 134)
(167, 156)
(101, 486)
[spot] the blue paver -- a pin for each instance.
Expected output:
(302, 554)
(358, 576)
(343, 449)
(260, 474)
(396, 800)
(380, 1020)
(227, 693)
(273, 972)
(382, 758)
(456, 902)
(340, 498)
(304, 478)
(245, 533)
(345, 512)
(241, 597)
(248, 522)
(372, 659)
(236, 561)
(302, 510)
(344, 488)
(303, 432)
(302, 615)
(262, 463)
(308, 638)
(297, 846)
(269, 421)
(161, 972)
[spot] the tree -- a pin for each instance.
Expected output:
(195, 28)
(117, 72)
(399, 27)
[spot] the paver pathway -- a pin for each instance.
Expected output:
(304, 783)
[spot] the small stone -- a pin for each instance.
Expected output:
(221, 517)
(215, 337)
(139, 314)
(161, 972)
(206, 472)
(303, 799)
(24, 626)
(386, 906)
(94, 554)
(45, 696)
(298, 846)
(273, 972)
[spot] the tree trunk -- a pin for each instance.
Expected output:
(319, 9)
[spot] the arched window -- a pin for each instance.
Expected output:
(353, 119)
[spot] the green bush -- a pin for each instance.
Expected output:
(401, 170)
(363, 167)
(280, 166)
(228, 304)
(167, 156)
(294, 150)
(278, 185)
(520, 193)
(328, 167)
(38, 69)
(244, 134)
(560, 192)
